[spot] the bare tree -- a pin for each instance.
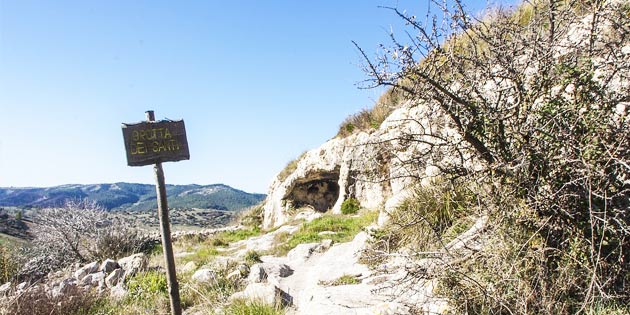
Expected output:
(81, 231)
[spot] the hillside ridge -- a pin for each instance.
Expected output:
(130, 196)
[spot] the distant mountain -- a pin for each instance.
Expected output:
(132, 197)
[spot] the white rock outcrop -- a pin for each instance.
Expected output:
(371, 167)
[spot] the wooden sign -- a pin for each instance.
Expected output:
(154, 142)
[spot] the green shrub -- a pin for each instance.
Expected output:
(147, 283)
(350, 206)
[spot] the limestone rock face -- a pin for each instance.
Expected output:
(371, 167)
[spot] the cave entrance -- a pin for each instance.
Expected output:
(319, 190)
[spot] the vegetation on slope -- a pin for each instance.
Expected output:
(343, 229)
(371, 119)
(540, 98)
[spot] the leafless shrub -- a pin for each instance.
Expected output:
(35, 301)
(81, 231)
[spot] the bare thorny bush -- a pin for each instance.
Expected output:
(80, 232)
(540, 96)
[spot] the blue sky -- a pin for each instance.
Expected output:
(256, 82)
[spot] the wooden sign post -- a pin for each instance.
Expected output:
(154, 142)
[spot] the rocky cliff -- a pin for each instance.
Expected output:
(378, 168)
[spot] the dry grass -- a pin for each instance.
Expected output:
(290, 168)
(371, 119)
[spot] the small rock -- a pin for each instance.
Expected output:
(21, 287)
(86, 270)
(265, 272)
(204, 276)
(114, 277)
(189, 266)
(108, 266)
(134, 263)
(65, 286)
(93, 280)
(4, 289)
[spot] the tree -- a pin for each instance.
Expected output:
(539, 97)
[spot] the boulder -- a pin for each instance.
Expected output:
(257, 274)
(134, 263)
(93, 280)
(204, 276)
(108, 266)
(66, 286)
(265, 293)
(189, 266)
(114, 277)
(268, 272)
(86, 270)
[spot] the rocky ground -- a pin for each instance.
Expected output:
(312, 278)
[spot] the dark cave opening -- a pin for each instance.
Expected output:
(319, 190)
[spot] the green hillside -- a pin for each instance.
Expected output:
(132, 197)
